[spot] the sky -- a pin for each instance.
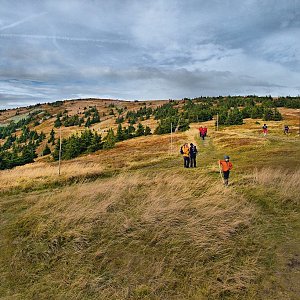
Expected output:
(160, 49)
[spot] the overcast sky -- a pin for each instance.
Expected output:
(159, 49)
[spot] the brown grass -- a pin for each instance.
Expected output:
(27, 176)
(129, 154)
(285, 181)
(153, 230)
(158, 238)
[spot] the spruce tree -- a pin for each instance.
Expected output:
(88, 122)
(140, 130)
(46, 150)
(109, 140)
(57, 122)
(235, 117)
(147, 130)
(52, 137)
(120, 133)
(268, 114)
(277, 115)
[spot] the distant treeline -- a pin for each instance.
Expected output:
(17, 151)
(231, 111)
(175, 115)
(90, 141)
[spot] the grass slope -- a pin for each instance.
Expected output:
(131, 223)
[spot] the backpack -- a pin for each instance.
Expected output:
(181, 151)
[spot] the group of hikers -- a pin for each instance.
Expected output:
(189, 153)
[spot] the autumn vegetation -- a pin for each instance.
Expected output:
(125, 220)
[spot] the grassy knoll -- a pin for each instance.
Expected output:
(131, 223)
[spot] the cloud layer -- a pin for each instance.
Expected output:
(159, 49)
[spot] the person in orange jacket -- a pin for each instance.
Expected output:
(226, 167)
(185, 151)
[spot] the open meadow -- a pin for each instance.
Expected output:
(132, 223)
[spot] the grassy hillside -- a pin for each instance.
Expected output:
(132, 223)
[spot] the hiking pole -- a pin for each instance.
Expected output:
(222, 179)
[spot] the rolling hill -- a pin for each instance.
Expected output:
(131, 223)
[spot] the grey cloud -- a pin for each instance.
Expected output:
(148, 49)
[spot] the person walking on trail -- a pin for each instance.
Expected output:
(226, 166)
(201, 132)
(193, 154)
(185, 151)
(286, 129)
(265, 129)
(205, 131)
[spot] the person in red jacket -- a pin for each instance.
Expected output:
(226, 166)
(202, 132)
(205, 131)
(265, 129)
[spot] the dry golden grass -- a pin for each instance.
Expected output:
(129, 154)
(151, 229)
(285, 181)
(28, 176)
(158, 237)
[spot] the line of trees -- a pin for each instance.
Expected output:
(125, 133)
(168, 114)
(75, 145)
(17, 151)
(143, 113)
(90, 141)
(12, 127)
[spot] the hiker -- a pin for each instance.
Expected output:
(193, 153)
(286, 129)
(205, 131)
(201, 132)
(226, 167)
(265, 129)
(185, 151)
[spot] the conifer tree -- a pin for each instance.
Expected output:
(109, 140)
(57, 122)
(277, 115)
(147, 130)
(52, 137)
(140, 130)
(88, 122)
(46, 150)
(120, 133)
(96, 143)
(235, 117)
